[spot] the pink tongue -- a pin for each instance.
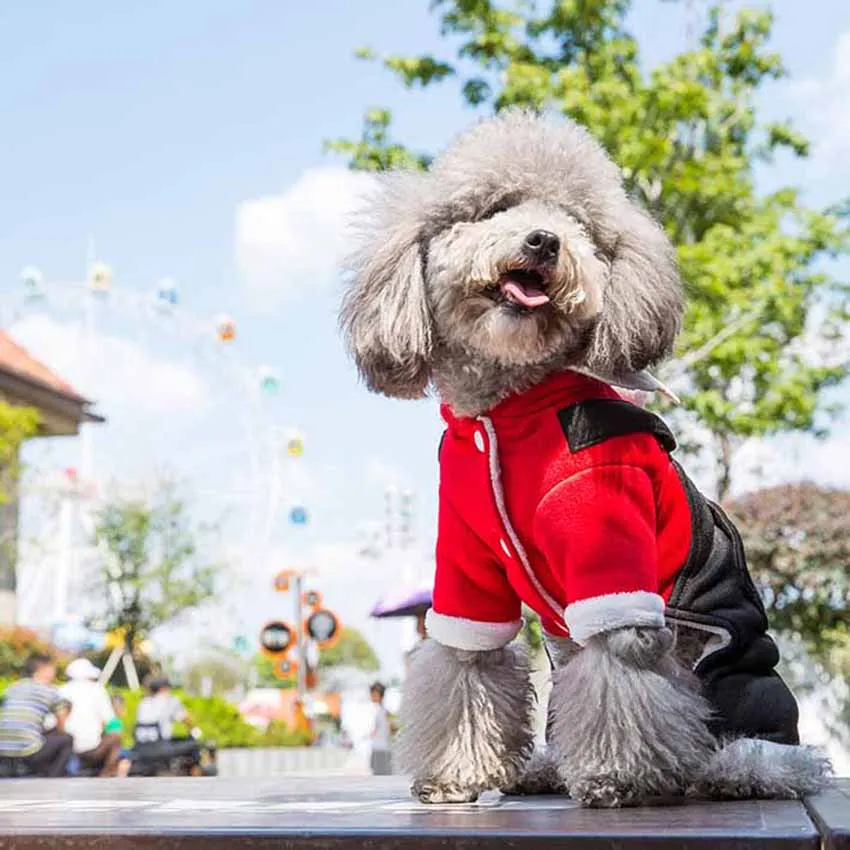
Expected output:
(528, 296)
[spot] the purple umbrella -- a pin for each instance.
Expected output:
(403, 602)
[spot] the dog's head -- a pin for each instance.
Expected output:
(519, 247)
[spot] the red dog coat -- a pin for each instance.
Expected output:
(591, 539)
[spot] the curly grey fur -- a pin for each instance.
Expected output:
(560, 649)
(747, 769)
(384, 315)
(465, 721)
(628, 721)
(539, 776)
(416, 310)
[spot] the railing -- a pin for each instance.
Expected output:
(282, 761)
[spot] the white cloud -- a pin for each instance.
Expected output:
(112, 370)
(797, 457)
(294, 241)
(825, 102)
(382, 475)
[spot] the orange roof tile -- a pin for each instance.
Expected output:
(15, 358)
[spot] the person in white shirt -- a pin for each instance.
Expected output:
(158, 712)
(91, 710)
(381, 759)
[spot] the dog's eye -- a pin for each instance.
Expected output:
(502, 206)
(499, 205)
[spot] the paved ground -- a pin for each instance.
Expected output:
(302, 812)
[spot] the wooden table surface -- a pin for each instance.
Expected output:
(831, 814)
(377, 813)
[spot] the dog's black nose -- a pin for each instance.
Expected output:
(542, 245)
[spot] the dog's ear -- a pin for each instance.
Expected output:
(385, 315)
(643, 303)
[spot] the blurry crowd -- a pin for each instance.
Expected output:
(77, 728)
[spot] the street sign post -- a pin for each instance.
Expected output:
(276, 638)
(323, 626)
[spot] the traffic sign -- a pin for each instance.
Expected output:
(281, 581)
(324, 627)
(276, 638)
(313, 598)
(286, 668)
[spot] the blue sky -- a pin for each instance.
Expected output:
(158, 126)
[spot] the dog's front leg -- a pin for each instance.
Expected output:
(466, 721)
(628, 721)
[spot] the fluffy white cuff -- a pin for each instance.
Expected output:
(472, 635)
(599, 614)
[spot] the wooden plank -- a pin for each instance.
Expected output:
(373, 813)
(831, 813)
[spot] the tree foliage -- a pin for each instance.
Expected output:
(223, 671)
(762, 334)
(17, 644)
(16, 425)
(155, 567)
(795, 537)
(351, 650)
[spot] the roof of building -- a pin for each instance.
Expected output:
(26, 380)
(15, 358)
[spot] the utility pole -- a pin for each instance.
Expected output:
(300, 673)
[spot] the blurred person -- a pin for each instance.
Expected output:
(116, 727)
(381, 758)
(154, 730)
(158, 712)
(91, 712)
(27, 705)
(421, 628)
(421, 637)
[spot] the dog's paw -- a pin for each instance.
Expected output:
(540, 776)
(608, 792)
(433, 792)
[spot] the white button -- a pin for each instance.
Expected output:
(479, 441)
(505, 548)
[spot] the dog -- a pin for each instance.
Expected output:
(518, 281)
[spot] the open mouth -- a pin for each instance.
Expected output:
(522, 288)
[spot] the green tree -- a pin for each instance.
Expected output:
(154, 567)
(351, 650)
(798, 549)
(224, 672)
(762, 333)
(265, 676)
(17, 424)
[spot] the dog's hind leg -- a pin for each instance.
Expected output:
(466, 721)
(628, 721)
(760, 758)
(750, 768)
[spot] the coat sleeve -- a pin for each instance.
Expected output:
(598, 531)
(474, 606)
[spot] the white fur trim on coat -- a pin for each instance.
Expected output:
(472, 635)
(599, 614)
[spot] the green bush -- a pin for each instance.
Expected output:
(219, 722)
(17, 644)
(280, 735)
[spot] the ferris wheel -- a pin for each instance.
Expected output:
(181, 403)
